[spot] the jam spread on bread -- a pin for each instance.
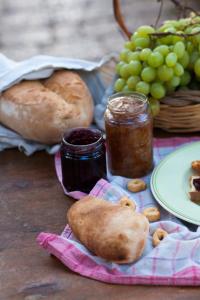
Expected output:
(196, 183)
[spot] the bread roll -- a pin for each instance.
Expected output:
(43, 110)
(111, 231)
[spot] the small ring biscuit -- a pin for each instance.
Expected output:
(125, 201)
(136, 185)
(196, 165)
(152, 214)
(158, 236)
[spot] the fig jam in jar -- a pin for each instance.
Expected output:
(83, 159)
(129, 135)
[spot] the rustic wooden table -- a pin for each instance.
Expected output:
(32, 200)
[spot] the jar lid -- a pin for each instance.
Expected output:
(127, 103)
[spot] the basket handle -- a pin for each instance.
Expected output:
(119, 18)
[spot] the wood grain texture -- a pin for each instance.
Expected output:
(31, 200)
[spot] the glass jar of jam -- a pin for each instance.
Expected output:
(128, 124)
(83, 159)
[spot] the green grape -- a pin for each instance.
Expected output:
(171, 59)
(148, 74)
(188, 30)
(142, 42)
(162, 28)
(144, 54)
(196, 18)
(184, 22)
(119, 84)
(132, 81)
(144, 31)
(165, 26)
(134, 36)
(129, 45)
(126, 89)
(165, 73)
(134, 67)
(178, 69)
(155, 106)
(124, 71)
(155, 59)
(196, 38)
(157, 90)
(193, 57)
(179, 49)
(176, 38)
(197, 67)
(143, 87)
(124, 55)
(170, 29)
(189, 47)
(175, 81)
(133, 56)
(167, 40)
(173, 23)
(163, 49)
(184, 60)
(118, 67)
(185, 78)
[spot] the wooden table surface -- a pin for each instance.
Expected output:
(31, 201)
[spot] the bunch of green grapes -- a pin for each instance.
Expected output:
(157, 62)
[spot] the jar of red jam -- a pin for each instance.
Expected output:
(128, 124)
(83, 159)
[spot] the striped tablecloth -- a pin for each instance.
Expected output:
(176, 261)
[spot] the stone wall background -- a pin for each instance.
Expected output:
(71, 28)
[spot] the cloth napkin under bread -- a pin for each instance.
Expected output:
(39, 67)
(176, 261)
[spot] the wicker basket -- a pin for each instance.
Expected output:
(179, 111)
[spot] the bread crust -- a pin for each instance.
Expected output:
(40, 112)
(111, 231)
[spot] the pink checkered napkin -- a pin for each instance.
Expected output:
(176, 261)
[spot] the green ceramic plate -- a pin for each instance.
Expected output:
(170, 183)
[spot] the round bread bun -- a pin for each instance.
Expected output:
(112, 231)
(43, 110)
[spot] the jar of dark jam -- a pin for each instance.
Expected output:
(83, 159)
(128, 124)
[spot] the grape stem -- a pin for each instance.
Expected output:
(161, 34)
(159, 13)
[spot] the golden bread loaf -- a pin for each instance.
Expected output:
(112, 231)
(43, 110)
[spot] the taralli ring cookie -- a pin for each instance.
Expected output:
(152, 214)
(136, 185)
(125, 201)
(196, 166)
(158, 236)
